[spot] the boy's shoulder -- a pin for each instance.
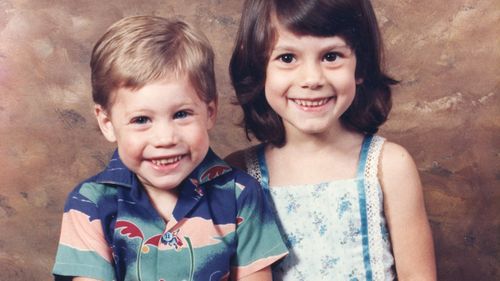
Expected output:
(236, 159)
(215, 169)
(91, 198)
(93, 189)
(219, 173)
(108, 180)
(233, 174)
(90, 191)
(242, 177)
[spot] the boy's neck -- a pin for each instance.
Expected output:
(163, 201)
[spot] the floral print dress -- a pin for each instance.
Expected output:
(334, 230)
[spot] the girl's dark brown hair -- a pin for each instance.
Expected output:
(353, 20)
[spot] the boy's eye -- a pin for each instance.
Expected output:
(286, 58)
(331, 57)
(140, 120)
(181, 114)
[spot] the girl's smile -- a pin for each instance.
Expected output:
(316, 104)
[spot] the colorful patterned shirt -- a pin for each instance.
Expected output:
(221, 225)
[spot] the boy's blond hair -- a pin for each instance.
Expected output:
(139, 50)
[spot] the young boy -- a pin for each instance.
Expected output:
(166, 207)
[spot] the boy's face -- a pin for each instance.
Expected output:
(161, 130)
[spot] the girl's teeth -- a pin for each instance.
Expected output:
(311, 103)
(167, 161)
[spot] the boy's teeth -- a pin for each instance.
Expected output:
(166, 161)
(311, 103)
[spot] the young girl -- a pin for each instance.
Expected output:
(308, 76)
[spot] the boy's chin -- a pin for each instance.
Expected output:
(158, 185)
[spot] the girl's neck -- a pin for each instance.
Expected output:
(310, 160)
(332, 140)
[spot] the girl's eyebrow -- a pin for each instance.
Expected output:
(338, 46)
(333, 46)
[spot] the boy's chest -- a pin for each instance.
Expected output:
(195, 246)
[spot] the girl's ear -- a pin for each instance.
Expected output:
(105, 124)
(212, 114)
(359, 81)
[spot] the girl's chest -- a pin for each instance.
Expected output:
(323, 227)
(303, 170)
(319, 209)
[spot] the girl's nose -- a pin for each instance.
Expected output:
(312, 76)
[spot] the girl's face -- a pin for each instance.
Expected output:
(310, 81)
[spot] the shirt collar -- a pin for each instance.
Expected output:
(116, 173)
(191, 189)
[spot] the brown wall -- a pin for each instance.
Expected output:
(446, 112)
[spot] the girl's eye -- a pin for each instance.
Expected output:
(286, 58)
(331, 57)
(181, 114)
(140, 120)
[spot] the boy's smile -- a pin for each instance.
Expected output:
(166, 161)
(161, 130)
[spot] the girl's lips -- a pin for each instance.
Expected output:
(311, 103)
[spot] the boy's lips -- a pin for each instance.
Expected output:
(167, 160)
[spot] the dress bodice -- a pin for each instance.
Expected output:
(334, 230)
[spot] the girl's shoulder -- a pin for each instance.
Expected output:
(395, 158)
(396, 166)
(238, 158)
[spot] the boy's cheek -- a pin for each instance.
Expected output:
(132, 143)
(199, 136)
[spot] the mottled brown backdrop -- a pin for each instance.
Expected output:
(446, 112)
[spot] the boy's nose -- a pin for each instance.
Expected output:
(164, 136)
(312, 76)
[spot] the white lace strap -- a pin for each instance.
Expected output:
(374, 206)
(252, 163)
(372, 159)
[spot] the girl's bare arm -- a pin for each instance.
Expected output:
(404, 207)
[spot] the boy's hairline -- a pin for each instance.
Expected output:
(179, 68)
(173, 75)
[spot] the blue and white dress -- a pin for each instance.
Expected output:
(334, 230)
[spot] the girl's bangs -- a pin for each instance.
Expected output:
(317, 18)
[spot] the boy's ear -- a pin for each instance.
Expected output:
(212, 114)
(105, 124)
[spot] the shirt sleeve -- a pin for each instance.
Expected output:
(259, 241)
(83, 250)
